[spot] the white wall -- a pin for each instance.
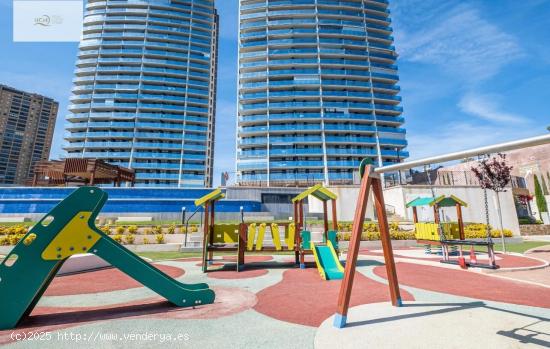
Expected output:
(475, 212)
(345, 205)
(398, 197)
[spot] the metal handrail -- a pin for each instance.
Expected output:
(501, 147)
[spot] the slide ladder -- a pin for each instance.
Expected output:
(67, 230)
(327, 261)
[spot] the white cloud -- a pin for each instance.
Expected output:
(487, 106)
(456, 136)
(455, 38)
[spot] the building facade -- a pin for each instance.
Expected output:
(144, 90)
(317, 91)
(27, 122)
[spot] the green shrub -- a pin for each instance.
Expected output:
(146, 241)
(529, 220)
(132, 229)
(129, 239)
(120, 230)
(157, 229)
(147, 231)
(171, 229)
(194, 229)
(117, 238)
(106, 229)
(4, 241)
(159, 238)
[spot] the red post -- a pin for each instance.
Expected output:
(242, 245)
(415, 215)
(353, 250)
(211, 231)
(460, 221)
(325, 218)
(334, 217)
(296, 233)
(205, 231)
(385, 238)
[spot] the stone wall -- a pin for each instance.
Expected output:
(534, 229)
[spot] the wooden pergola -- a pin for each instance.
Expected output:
(82, 171)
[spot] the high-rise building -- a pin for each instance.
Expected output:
(145, 89)
(27, 122)
(317, 91)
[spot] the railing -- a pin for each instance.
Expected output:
(443, 178)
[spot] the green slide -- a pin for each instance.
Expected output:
(327, 261)
(67, 230)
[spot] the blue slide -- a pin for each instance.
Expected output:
(327, 261)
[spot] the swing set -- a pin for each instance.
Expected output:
(371, 182)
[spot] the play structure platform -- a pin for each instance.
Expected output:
(248, 238)
(67, 230)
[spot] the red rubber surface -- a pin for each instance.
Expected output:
(104, 280)
(249, 258)
(302, 297)
(503, 261)
(468, 284)
(231, 274)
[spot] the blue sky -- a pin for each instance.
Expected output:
(472, 72)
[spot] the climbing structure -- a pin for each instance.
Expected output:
(67, 230)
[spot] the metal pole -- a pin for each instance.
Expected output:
(183, 211)
(501, 147)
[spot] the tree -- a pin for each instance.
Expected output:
(540, 200)
(494, 174)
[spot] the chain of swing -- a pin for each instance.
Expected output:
(440, 229)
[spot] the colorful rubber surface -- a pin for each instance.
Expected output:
(67, 230)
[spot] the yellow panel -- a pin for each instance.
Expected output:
(260, 240)
(76, 237)
(291, 234)
(251, 236)
(275, 236)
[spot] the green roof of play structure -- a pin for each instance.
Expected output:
(441, 201)
(317, 191)
(213, 196)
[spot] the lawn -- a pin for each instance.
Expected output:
(518, 248)
(161, 256)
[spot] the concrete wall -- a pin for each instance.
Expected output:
(475, 212)
(345, 205)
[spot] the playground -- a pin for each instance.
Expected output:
(274, 284)
(296, 306)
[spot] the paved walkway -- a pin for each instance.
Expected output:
(274, 305)
(539, 276)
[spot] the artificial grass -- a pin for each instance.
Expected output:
(517, 248)
(162, 256)
(159, 256)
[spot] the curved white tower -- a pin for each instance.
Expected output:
(144, 89)
(317, 91)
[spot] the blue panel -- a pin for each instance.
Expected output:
(121, 200)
